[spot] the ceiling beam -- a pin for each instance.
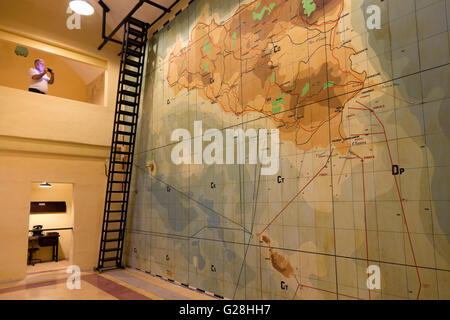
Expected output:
(108, 38)
(162, 15)
(103, 5)
(166, 10)
(129, 15)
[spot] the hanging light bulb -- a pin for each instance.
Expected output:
(82, 7)
(45, 185)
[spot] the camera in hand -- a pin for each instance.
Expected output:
(50, 70)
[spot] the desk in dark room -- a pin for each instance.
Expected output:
(49, 239)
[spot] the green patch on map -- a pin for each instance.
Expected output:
(305, 89)
(309, 6)
(278, 103)
(234, 36)
(329, 84)
(259, 16)
(207, 47)
(276, 110)
(272, 79)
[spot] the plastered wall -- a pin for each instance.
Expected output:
(17, 172)
(52, 138)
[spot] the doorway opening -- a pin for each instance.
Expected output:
(50, 230)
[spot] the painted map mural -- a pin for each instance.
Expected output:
(363, 180)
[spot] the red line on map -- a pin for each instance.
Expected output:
(295, 197)
(352, 108)
(319, 289)
(399, 196)
(365, 210)
(260, 270)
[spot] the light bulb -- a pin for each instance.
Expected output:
(82, 7)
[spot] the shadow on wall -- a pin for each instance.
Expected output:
(73, 79)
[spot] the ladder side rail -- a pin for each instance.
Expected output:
(112, 159)
(132, 147)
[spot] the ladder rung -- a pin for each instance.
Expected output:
(109, 259)
(132, 63)
(110, 249)
(113, 230)
(121, 162)
(117, 201)
(136, 32)
(122, 152)
(124, 143)
(128, 103)
(135, 43)
(120, 172)
(122, 156)
(130, 83)
(133, 53)
(126, 123)
(125, 133)
(114, 211)
(131, 73)
(127, 113)
(128, 93)
(117, 191)
(137, 22)
(112, 240)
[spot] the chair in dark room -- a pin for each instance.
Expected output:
(31, 260)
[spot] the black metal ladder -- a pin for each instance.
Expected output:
(123, 144)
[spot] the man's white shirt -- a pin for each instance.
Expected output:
(41, 84)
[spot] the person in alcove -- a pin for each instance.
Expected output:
(39, 79)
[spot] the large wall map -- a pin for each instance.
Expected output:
(364, 172)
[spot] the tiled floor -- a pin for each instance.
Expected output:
(49, 282)
(47, 267)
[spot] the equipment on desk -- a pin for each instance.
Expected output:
(37, 230)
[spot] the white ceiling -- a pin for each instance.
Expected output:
(120, 9)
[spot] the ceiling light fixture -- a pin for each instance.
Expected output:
(45, 185)
(82, 7)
